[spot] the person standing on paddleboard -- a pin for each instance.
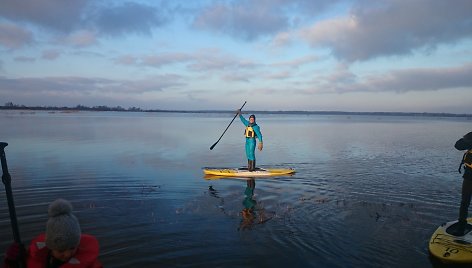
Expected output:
(251, 132)
(465, 143)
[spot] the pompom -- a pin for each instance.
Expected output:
(59, 207)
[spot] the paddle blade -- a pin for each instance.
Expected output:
(213, 146)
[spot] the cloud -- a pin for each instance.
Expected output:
(81, 86)
(246, 20)
(51, 14)
(13, 36)
(128, 18)
(232, 77)
(298, 62)
(81, 38)
(249, 20)
(70, 91)
(165, 59)
(200, 61)
(342, 80)
(156, 61)
(25, 59)
(421, 79)
(215, 61)
(283, 39)
(50, 54)
(156, 83)
(126, 60)
(85, 19)
(212, 62)
(279, 75)
(391, 28)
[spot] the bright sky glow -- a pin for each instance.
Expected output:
(336, 55)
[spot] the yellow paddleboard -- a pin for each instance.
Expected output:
(244, 172)
(449, 248)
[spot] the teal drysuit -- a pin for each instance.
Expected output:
(249, 202)
(251, 142)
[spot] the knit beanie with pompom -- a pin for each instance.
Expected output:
(62, 229)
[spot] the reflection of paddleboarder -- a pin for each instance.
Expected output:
(250, 215)
(251, 132)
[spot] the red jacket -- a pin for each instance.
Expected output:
(86, 256)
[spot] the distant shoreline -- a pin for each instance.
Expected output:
(134, 109)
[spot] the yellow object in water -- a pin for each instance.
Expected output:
(449, 248)
(244, 172)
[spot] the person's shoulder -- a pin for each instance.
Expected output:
(88, 250)
(38, 243)
(88, 236)
(89, 240)
(40, 237)
(37, 251)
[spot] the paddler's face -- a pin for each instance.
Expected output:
(251, 120)
(64, 255)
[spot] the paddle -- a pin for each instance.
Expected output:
(6, 179)
(213, 146)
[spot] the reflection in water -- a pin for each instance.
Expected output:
(213, 192)
(251, 213)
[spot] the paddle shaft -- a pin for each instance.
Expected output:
(213, 146)
(6, 179)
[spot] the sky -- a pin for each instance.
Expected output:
(311, 55)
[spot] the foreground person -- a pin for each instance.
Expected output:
(63, 245)
(465, 143)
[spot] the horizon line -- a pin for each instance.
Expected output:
(104, 108)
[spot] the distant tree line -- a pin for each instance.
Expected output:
(12, 106)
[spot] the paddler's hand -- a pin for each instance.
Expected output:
(13, 255)
(238, 111)
(259, 146)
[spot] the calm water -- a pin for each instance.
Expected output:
(369, 190)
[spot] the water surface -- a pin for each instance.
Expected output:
(369, 190)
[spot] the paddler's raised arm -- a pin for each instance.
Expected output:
(245, 122)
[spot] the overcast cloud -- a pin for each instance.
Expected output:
(392, 28)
